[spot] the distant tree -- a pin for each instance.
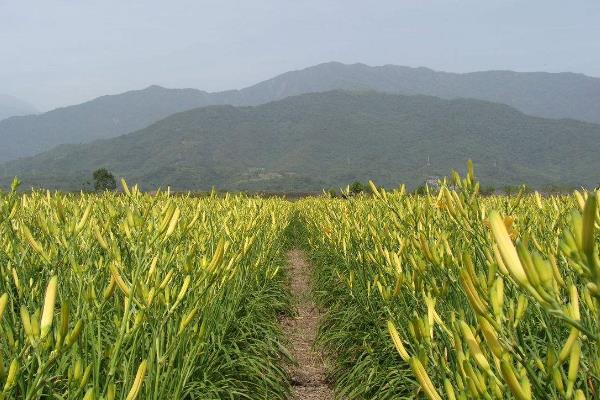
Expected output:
(104, 180)
(357, 188)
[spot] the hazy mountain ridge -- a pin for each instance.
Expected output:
(549, 95)
(11, 106)
(563, 95)
(327, 139)
(106, 116)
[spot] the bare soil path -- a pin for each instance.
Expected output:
(308, 377)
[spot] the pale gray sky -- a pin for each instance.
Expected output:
(60, 52)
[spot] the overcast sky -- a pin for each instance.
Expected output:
(56, 53)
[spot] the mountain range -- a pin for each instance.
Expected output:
(11, 106)
(329, 139)
(549, 95)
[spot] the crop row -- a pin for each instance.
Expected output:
(136, 296)
(452, 295)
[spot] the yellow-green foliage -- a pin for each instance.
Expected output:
(454, 295)
(447, 295)
(137, 296)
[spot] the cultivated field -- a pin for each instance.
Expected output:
(448, 295)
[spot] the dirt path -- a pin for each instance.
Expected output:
(308, 377)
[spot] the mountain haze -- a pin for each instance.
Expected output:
(104, 117)
(319, 140)
(549, 95)
(11, 106)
